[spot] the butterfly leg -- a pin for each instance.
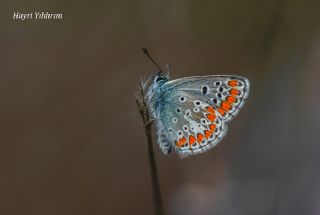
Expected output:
(149, 122)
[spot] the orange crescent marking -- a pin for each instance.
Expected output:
(234, 92)
(221, 111)
(210, 110)
(211, 117)
(233, 83)
(212, 127)
(200, 137)
(192, 139)
(207, 134)
(181, 141)
(231, 99)
(226, 106)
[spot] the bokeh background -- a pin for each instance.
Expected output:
(72, 142)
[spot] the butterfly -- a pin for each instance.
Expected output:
(191, 113)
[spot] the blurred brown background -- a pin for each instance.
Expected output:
(71, 141)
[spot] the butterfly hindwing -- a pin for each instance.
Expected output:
(192, 112)
(185, 125)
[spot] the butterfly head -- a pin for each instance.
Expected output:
(155, 83)
(160, 79)
(157, 80)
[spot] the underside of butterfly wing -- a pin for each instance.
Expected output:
(191, 113)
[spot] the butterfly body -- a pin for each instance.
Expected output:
(191, 114)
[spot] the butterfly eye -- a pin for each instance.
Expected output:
(174, 120)
(221, 89)
(196, 110)
(170, 130)
(160, 78)
(178, 111)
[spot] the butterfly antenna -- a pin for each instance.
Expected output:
(152, 60)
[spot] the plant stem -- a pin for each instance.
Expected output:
(141, 103)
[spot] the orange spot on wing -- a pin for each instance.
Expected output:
(192, 139)
(211, 117)
(233, 83)
(210, 110)
(207, 133)
(234, 92)
(212, 127)
(200, 137)
(181, 141)
(231, 99)
(221, 111)
(226, 106)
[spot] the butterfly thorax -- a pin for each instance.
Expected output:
(154, 90)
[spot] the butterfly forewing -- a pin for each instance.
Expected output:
(193, 111)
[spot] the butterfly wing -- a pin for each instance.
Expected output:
(191, 113)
